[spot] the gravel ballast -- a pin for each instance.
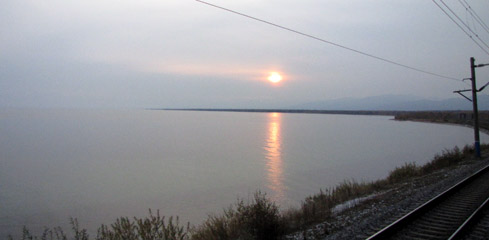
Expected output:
(364, 217)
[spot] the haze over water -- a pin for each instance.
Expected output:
(97, 165)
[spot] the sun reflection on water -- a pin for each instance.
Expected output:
(273, 148)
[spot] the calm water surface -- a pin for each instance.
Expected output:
(97, 165)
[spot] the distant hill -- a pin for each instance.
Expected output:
(395, 103)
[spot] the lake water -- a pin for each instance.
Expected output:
(97, 165)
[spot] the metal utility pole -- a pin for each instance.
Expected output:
(477, 144)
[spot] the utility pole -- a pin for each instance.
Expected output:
(477, 144)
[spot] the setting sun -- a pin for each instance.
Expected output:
(274, 77)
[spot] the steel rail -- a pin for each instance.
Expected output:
(407, 219)
(471, 221)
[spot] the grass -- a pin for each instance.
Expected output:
(448, 158)
(153, 227)
(260, 218)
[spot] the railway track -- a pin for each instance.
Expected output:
(460, 212)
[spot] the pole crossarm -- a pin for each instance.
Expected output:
(482, 88)
(461, 94)
(482, 65)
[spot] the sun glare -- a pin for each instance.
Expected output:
(274, 77)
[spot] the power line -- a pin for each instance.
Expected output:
(328, 42)
(477, 18)
(474, 19)
(468, 34)
(476, 35)
(470, 20)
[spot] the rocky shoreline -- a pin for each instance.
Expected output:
(371, 214)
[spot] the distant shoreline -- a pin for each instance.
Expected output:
(444, 117)
(306, 111)
(464, 118)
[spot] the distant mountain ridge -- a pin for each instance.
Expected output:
(396, 103)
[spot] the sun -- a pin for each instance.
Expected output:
(274, 77)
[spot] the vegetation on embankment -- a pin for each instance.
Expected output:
(455, 117)
(260, 218)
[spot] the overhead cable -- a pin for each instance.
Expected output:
(475, 34)
(474, 18)
(454, 21)
(477, 18)
(329, 42)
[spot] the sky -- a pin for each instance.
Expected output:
(186, 54)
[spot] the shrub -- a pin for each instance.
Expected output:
(403, 173)
(259, 220)
(56, 233)
(446, 159)
(149, 228)
(318, 207)
(315, 208)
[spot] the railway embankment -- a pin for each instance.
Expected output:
(368, 215)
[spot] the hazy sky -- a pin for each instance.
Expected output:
(182, 53)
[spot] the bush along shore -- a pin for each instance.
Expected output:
(259, 218)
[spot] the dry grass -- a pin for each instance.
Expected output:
(153, 227)
(318, 207)
(259, 219)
